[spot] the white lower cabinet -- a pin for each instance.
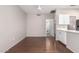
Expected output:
(69, 38)
(73, 41)
(61, 36)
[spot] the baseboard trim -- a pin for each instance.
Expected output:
(61, 43)
(14, 45)
(64, 45)
(36, 36)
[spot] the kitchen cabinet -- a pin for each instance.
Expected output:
(73, 41)
(65, 22)
(64, 19)
(61, 36)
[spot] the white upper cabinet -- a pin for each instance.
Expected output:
(64, 19)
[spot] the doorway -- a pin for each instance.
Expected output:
(49, 27)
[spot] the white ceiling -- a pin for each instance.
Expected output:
(32, 9)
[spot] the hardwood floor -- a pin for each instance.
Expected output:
(39, 45)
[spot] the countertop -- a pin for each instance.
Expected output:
(66, 30)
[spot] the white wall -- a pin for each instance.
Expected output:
(12, 26)
(35, 25)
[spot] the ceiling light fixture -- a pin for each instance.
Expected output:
(72, 5)
(39, 8)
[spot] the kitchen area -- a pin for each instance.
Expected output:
(67, 29)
